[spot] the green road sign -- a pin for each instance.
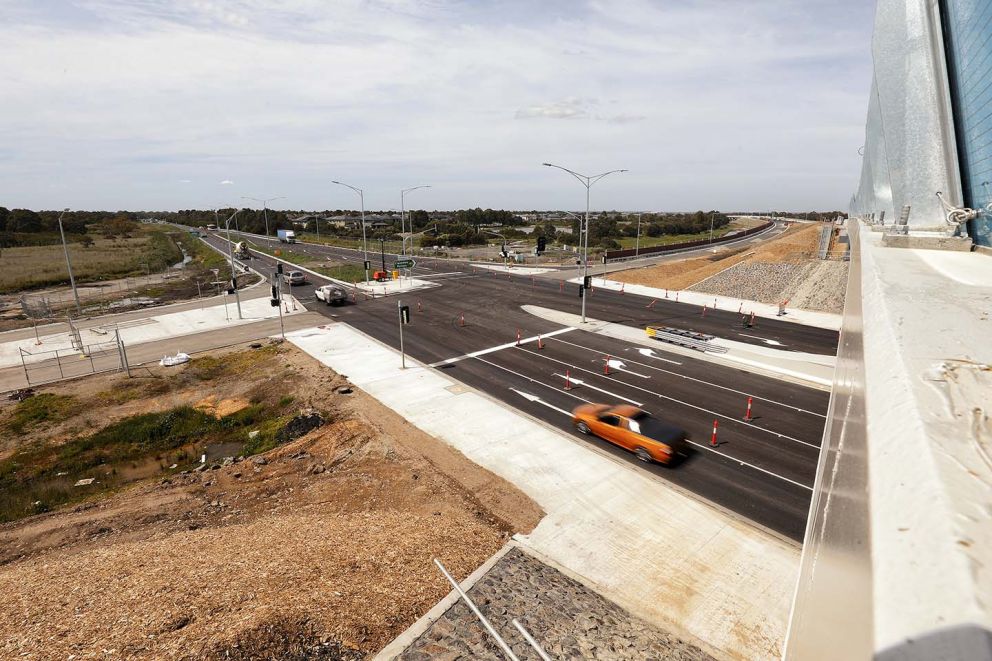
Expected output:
(404, 264)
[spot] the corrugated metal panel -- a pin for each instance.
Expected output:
(968, 40)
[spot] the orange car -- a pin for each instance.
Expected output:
(633, 429)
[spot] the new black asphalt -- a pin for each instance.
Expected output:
(762, 470)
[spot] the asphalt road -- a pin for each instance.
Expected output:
(762, 470)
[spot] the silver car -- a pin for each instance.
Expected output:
(295, 277)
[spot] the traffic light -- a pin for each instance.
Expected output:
(405, 314)
(542, 244)
(587, 282)
(502, 251)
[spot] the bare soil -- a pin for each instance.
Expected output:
(319, 548)
(784, 268)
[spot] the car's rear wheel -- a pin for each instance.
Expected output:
(582, 427)
(643, 455)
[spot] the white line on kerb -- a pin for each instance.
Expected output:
(483, 352)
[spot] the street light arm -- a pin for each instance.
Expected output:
(581, 177)
(595, 178)
(354, 188)
(407, 190)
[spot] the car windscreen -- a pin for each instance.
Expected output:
(655, 429)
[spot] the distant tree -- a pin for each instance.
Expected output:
(23, 220)
(4, 214)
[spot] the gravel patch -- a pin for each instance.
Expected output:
(810, 285)
(566, 618)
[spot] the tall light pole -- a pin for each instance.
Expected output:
(265, 203)
(711, 225)
(68, 265)
(230, 252)
(365, 246)
(588, 182)
(637, 241)
(403, 214)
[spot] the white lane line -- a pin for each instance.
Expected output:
(535, 398)
(483, 352)
(651, 354)
(677, 401)
(763, 339)
(446, 274)
(532, 380)
(606, 392)
(744, 463)
(708, 383)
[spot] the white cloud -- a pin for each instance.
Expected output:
(391, 94)
(226, 182)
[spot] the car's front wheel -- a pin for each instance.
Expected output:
(582, 427)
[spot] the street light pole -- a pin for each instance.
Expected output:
(230, 252)
(711, 225)
(68, 265)
(637, 241)
(365, 245)
(402, 216)
(265, 203)
(588, 182)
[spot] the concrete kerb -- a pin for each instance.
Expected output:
(415, 630)
(635, 336)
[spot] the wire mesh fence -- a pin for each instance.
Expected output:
(48, 365)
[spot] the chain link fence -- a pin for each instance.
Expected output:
(46, 366)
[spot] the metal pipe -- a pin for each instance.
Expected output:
(482, 618)
(530, 639)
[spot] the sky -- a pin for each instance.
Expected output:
(177, 104)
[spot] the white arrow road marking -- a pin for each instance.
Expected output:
(535, 398)
(606, 392)
(651, 354)
(621, 366)
(774, 343)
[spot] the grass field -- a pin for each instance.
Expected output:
(649, 241)
(43, 266)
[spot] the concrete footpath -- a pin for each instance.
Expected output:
(665, 557)
(149, 328)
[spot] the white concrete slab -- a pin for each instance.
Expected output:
(659, 553)
(808, 369)
(805, 317)
(149, 329)
(503, 268)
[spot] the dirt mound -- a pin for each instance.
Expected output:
(320, 548)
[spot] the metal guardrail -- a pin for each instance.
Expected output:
(684, 338)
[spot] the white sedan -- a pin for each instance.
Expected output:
(331, 294)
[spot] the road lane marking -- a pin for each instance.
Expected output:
(532, 380)
(764, 339)
(677, 401)
(535, 398)
(607, 392)
(703, 381)
(744, 463)
(651, 354)
(483, 352)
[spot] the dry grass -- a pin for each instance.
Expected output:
(39, 266)
(795, 245)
